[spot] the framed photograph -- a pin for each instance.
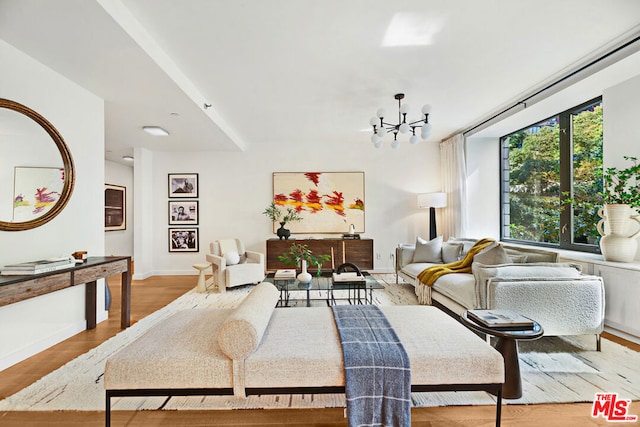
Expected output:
(184, 212)
(329, 202)
(115, 207)
(183, 240)
(183, 185)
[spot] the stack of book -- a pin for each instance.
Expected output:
(500, 319)
(37, 267)
(285, 274)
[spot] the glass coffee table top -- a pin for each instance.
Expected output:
(322, 288)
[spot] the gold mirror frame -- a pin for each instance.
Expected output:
(67, 160)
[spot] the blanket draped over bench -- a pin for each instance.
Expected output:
(377, 369)
(429, 275)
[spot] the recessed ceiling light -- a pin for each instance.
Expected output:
(155, 130)
(127, 158)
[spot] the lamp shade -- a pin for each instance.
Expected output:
(432, 200)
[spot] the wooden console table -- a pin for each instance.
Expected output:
(356, 251)
(20, 288)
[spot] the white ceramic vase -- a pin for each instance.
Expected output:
(617, 244)
(304, 276)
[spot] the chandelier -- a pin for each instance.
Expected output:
(381, 128)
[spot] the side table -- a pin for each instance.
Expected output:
(507, 345)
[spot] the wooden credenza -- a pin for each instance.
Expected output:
(20, 288)
(356, 251)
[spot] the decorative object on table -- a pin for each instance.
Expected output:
(298, 253)
(115, 207)
(184, 212)
(344, 276)
(80, 256)
(381, 128)
(183, 240)
(274, 213)
(304, 276)
(326, 201)
(432, 201)
(621, 197)
(351, 234)
(183, 185)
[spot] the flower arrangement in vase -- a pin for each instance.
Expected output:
(301, 255)
(274, 213)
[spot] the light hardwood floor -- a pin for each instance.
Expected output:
(151, 294)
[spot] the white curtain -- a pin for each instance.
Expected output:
(453, 167)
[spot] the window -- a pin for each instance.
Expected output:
(552, 179)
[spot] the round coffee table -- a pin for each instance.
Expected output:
(507, 345)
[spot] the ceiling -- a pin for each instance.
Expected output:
(305, 71)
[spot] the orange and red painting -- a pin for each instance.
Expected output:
(329, 202)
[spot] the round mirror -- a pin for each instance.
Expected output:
(38, 175)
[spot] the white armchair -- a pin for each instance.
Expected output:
(233, 265)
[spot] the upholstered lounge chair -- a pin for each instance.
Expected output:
(233, 265)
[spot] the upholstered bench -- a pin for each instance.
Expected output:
(256, 349)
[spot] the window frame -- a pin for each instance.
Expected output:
(566, 225)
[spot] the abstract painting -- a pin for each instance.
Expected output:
(329, 202)
(35, 191)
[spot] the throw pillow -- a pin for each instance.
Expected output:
(451, 251)
(232, 258)
(428, 251)
(493, 254)
(518, 259)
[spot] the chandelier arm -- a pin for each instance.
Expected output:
(418, 121)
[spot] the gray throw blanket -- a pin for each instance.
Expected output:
(377, 371)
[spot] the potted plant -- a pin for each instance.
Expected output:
(301, 255)
(621, 195)
(274, 213)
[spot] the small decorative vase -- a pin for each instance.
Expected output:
(616, 244)
(304, 276)
(283, 232)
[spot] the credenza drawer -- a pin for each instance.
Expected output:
(90, 274)
(33, 288)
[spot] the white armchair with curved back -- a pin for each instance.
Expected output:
(233, 265)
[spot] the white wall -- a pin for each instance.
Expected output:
(621, 132)
(234, 189)
(35, 324)
(120, 242)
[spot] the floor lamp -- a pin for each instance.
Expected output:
(432, 201)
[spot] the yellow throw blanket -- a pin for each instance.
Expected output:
(429, 275)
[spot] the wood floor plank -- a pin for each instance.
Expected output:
(151, 294)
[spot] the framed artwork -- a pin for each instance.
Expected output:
(183, 185)
(115, 207)
(183, 240)
(35, 191)
(184, 212)
(329, 202)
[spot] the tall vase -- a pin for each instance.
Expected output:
(616, 243)
(304, 276)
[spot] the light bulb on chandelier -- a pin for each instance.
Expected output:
(381, 128)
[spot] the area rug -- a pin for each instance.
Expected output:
(554, 369)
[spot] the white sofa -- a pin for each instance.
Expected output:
(528, 281)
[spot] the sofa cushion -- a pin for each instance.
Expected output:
(451, 251)
(460, 287)
(428, 251)
(416, 268)
(466, 242)
(531, 255)
(483, 273)
(492, 255)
